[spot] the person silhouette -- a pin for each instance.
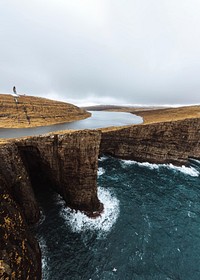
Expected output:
(14, 90)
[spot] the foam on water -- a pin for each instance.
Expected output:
(103, 158)
(100, 171)
(145, 164)
(186, 170)
(43, 248)
(79, 222)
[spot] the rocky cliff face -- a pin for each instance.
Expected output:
(164, 142)
(18, 181)
(20, 256)
(66, 162)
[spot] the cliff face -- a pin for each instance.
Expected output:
(164, 142)
(67, 162)
(20, 256)
(18, 181)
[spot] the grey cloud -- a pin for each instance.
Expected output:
(141, 51)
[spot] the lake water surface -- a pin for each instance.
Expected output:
(97, 120)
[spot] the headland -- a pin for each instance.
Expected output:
(68, 161)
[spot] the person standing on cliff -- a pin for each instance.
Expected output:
(14, 90)
(15, 95)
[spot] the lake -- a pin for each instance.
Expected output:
(97, 120)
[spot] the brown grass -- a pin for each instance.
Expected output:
(169, 114)
(32, 111)
(153, 115)
(44, 112)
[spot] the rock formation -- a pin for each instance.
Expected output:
(66, 162)
(164, 142)
(20, 256)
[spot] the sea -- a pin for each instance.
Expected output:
(149, 230)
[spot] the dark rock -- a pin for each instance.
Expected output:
(20, 256)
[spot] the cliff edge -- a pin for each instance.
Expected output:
(170, 135)
(30, 111)
(68, 161)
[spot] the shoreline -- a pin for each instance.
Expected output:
(29, 111)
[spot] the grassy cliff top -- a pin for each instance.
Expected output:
(157, 115)
(154, 114)
(30, 111)
(169, 114)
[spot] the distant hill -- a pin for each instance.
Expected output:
(153, 114)
(169, 114)
(30, 111)
(122, 108)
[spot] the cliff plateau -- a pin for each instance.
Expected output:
(30, 111)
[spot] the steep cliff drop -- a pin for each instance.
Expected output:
(164, 142)
(66, 162)
(20, 255)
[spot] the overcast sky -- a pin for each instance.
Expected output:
(102, 51)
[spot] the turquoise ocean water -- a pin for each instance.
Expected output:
(150, 228)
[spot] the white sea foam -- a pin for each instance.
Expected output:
(43, 248)
(101, 171)
(195, 160)
(103, 158)
(146, 164)
(186, 170)
(79, 222)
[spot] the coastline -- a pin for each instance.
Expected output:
(68, 160)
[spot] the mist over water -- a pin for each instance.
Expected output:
(150, 228)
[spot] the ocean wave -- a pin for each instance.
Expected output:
(191, 171)
(79, 222)
(187, 170)
(43, 247)
(145, 164)
(102, 158)
(100, 171)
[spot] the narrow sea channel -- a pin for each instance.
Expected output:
(150, 229)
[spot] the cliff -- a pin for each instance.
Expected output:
(162, 142)
(30, 111)
(66, 162)
(20, 255)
